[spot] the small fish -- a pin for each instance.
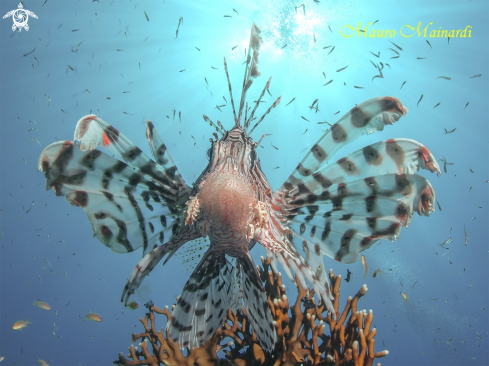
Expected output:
(78, 45)
(415, 282)
(39, 278)
(28, 53)
(227, 16)
(305, 119)
(429, 44)
(290, 102)
(146, 15)
(437, 105)
(420, 99)
(448, 241)
(471, 170)
(348, 275)
(331, 50)
(232, 49)
(365, 268)
(42, 305)
(421, 58)
(336, 113)
(235, 11)
(358, 87)
(329, 82)
(93, 317)
(395, 57)
(399, 48)
(275, 147)
(342, 68)
(444, 77)
(20, 324)
(37, 62)
(375, 54)
(133, 305)
(389, 66)
(71, 68)
(42, 362)
(476, 76)
(66, 276)
(182, 70)
(402, 85)
(75, 30)
(285, 45)
(314, 35)
(198, 49)
(466, 236)
(473, 218)
(465, 106)
(447, 132)
(206, 81)
(63, 111)
(324, 48)
(374, 274)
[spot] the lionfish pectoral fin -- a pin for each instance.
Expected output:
(256, 303)
(163, 158)
(312, 270)
(150, 260)
(130, 201)
(204, 302)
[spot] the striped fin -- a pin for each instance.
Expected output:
(256, 304)
(349, 218)
(94, 132)
(163, 158)
(150, 260)
(368, 117)
(401, 156)
(126, 208)
(131, 203)
(203, 304)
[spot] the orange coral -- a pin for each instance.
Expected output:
(300, 334)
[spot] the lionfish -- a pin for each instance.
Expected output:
(337, 209)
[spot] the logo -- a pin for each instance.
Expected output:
(20, 17)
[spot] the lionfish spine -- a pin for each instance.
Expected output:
(212, 124)
(247, 123)
(255, 42)
(230, 91)
(276, 103)
(246, 114)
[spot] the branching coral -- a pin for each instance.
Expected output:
(300, 334)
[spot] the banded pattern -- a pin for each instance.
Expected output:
(204, 301)
(368, 117)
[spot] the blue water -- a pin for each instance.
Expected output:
(451, 330)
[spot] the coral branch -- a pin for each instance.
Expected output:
(300, 331)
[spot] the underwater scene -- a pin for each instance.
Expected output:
(259, 158)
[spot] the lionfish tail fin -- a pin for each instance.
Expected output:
(251, 70)
(256, 303)
(205, 299)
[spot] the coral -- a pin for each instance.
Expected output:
(300, 334)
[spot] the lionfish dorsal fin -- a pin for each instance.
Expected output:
(251, 70)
